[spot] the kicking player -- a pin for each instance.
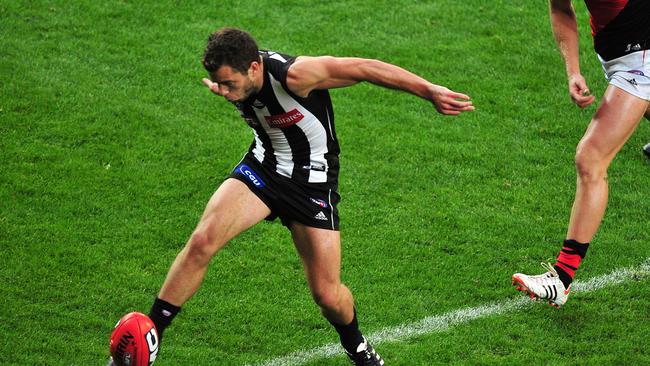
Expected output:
(621, 31)
(290, 171)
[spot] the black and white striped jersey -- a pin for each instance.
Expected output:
(293, 136)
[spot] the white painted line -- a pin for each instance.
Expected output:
(440, 323)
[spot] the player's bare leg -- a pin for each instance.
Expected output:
(646, 148)
(616, 119)
(320, 252)
(232, 209)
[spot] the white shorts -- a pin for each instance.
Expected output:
(630, 73)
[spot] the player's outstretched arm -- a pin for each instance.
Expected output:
(327, 72)
(565, 29)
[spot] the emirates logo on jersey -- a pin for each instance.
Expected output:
(285, 120)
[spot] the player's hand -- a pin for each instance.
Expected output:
(449, 102)
(579, 91)
(214, 87)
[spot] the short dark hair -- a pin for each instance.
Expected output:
(231, 47)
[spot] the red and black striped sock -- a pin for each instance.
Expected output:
(568, 261)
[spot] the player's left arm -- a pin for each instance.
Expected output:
(327, 72)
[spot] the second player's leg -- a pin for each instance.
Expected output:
(232, 209)
(646, 148)
(616, 119)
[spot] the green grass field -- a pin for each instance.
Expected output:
(111, 147)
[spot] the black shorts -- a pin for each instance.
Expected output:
(311, 204)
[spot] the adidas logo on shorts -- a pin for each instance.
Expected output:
(320, 216)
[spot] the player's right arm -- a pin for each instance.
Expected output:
(565, 29)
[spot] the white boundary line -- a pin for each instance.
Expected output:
(440, 323)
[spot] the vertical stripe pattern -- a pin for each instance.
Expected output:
(293, 136)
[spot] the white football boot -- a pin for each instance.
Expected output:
(365, 355)
(546, 286)
(646, 150)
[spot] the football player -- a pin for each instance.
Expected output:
(290, 171)
(621, 32)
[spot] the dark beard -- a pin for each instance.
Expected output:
(248, 92)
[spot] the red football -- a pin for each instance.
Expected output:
(134, 341)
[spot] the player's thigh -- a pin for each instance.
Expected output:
(232, 209)
(617, 117)
(320, 252)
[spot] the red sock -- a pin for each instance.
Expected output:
(569, 260)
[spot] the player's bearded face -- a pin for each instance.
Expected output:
(234, 85)
(248, 86)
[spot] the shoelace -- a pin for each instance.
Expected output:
(550, 268)
(550, 282)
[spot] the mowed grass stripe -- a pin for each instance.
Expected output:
(441, 323)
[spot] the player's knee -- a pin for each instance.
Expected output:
(590, 165)
(201, 246)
